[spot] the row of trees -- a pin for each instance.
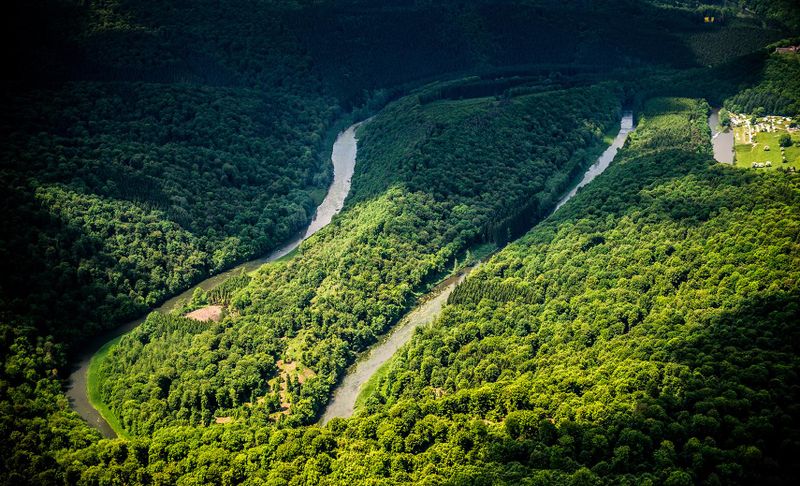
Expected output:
(776, 93)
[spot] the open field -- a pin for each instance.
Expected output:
(747, 154)
(207, 313)
(757, 141)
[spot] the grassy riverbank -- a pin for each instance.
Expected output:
(369, 387)
(94, 380)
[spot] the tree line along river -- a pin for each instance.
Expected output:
(343, 157)
(344, 398)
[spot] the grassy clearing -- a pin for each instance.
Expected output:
(93, 379)
(480, 252)
(289, 255)
(746, 154)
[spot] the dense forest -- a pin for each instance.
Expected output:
(776, 92)
(587, 352)
(645, 332)
(457, 177)
(149, 144)
(126, 194)
(206, 127)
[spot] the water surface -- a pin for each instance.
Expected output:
(344, 397)
(343, 158)
(602, 163)
(721, 141)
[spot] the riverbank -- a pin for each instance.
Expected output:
(721, 141)
(110, 425)
(83, 388)
(362, 376)
(344, 399)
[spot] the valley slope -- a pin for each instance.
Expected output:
(149, 144)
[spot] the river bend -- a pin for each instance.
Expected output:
(344, 397)
(721, 141)
(343, 158)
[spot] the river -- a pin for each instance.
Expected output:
(721, 141)
(344, 397)
(343, 158)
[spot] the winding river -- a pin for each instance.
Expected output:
(721, 141)
(343, 158)
(344, 398)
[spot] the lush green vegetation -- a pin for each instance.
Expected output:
(135, 124)
(777, 93)
(780, 12)
(149, 143)
(784, 11)
(121, 195)
(587, 352)
(35, 417)
(644, 332)
(432, 180)
(93, 380)
(760, 138)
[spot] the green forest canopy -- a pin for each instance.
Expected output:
(147, 144)
(588, 351)
(356, 277)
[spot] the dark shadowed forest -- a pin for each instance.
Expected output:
(645, 333)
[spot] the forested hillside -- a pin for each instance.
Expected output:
(783, 12)
(588, 352)
(777, 92)
(459, 178)
(121, 195)
(147, 144)
(645, 332)
(205, 124)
